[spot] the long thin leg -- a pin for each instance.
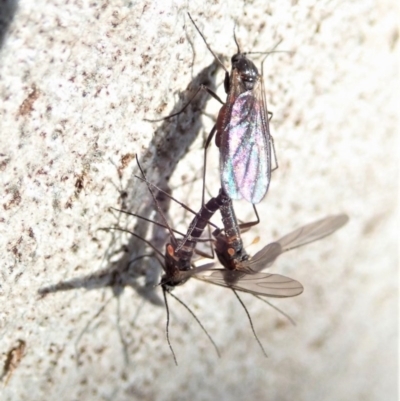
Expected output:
(200, 88)
(251, 323)
(198, 321)
(208, 141)
(277, 309)
(174, 199)
(167, 328)
(273, 150)
(246, 226)
(146, 219)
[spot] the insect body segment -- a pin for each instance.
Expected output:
(238, 272)
(178, 259)
(229, 245)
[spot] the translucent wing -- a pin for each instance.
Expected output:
(312, 232)
(264, 258)
(302, 236)
(273, 285)
(263, 284)
(245, 151)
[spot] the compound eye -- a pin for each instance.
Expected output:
(247, 78)
(231, 252)
(170, 250)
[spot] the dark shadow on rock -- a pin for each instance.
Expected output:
(135, 268)
(8, 9)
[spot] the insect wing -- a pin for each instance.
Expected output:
(264, 258)
(263, 284)
(312, 232)
(302, 236)
(245, 151)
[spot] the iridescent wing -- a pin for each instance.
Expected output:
(245, 150)
(263, 284)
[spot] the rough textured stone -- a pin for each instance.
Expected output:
(77, 80)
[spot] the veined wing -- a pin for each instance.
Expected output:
(245, 151)
(263, 284)
(302, 236)
(312, 232)
(264, 258)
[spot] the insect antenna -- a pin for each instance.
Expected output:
(208, 47)
(198, 321)
(235, 39)
(167, 327)
(273, 50)
(201, 87)
(251, 323)
(268, 53)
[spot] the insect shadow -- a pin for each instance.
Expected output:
(7, 12)
(175, 262)
(169, 144)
